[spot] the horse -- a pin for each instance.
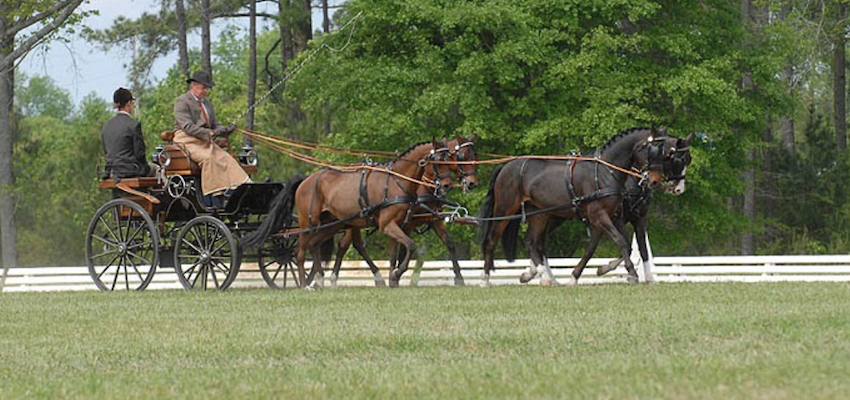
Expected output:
(637, 199)
(546, 192)
(330, 200)
(461, 149)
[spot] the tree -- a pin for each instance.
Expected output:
(182, 45)
(48, 17)
(252, 69)
(206, 56)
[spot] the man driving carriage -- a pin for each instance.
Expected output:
(196, 129)
(123, 141)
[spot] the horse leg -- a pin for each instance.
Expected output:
(609, 227)
(489, 249)
(538, 227)
(531, 237)
(396, 233)
(341, 249)
(595, 236)
(604, 269)
(315, 243)
(440, 229)
(640, 233)
(357, 240)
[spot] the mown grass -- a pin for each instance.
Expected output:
(674, 341)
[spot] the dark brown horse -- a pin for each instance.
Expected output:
(461, 149)
(332, 199)
(547, 192)
(637, 199)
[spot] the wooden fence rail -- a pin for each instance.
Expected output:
(434, 273)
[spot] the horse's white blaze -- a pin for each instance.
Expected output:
(680, 186)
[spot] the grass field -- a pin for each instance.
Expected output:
(674, 341)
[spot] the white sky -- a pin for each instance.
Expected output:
(81, 69)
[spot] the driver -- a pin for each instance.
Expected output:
(196, 129)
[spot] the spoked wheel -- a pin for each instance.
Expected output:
(122, 247)
(205, 255)
(276, 260)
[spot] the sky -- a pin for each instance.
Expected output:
(80, 68)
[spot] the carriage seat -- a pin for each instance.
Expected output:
(181, 164)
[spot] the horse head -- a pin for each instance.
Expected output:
(438, 164)
(676, 165)
(664, 159)
(463, 150)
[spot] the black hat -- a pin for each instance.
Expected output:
(122, 96)
(202, 78)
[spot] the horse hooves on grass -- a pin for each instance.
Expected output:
(633, 280)
(526, 277)
(459, 282)
(380, 283)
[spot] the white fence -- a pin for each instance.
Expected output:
(433, 273)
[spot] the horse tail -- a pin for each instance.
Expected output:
(509, 239)
(485, 225)
(280, 215)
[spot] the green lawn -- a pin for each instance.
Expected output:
(675, 341)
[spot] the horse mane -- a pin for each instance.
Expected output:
(409, 149)
(619, 136)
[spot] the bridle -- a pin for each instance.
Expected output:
(670, 165)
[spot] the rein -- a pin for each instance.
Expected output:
(342, 168)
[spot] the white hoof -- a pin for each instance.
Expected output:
(485, 283)
(526, 277)
(572, 281)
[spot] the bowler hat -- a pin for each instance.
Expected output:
(122, 96)
(201, 77)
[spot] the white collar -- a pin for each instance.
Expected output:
(195, 97)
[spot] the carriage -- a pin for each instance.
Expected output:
(165, 222)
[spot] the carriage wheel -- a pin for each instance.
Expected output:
(205, 255)
(122, 247)
(276, 260)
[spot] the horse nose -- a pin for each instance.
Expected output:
(471, 185)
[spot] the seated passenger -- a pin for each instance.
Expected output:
(123, 141)
(196, 128)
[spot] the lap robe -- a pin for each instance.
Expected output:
(219, 170)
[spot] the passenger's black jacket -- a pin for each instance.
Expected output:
(125, 147)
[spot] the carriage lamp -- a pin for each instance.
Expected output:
(160, 156)
(248, 156)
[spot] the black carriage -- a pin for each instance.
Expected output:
(165, 222)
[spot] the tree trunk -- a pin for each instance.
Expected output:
(205, 37)
(252, 70)
(786, 124)
(326, 21)
(183, 47)
(839, 84)
(303, 25)
(287, 52)
(7, 199)
(749, 209)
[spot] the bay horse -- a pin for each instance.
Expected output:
(330, 200)
(637, 199)
(546, 192)
(424, 213)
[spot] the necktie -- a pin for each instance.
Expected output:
(204, 113)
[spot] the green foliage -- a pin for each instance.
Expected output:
(39, 96)
(57, 165)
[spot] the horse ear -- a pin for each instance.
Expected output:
(458, 138)
(689, 137)
(662, 131)
(472, 138)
